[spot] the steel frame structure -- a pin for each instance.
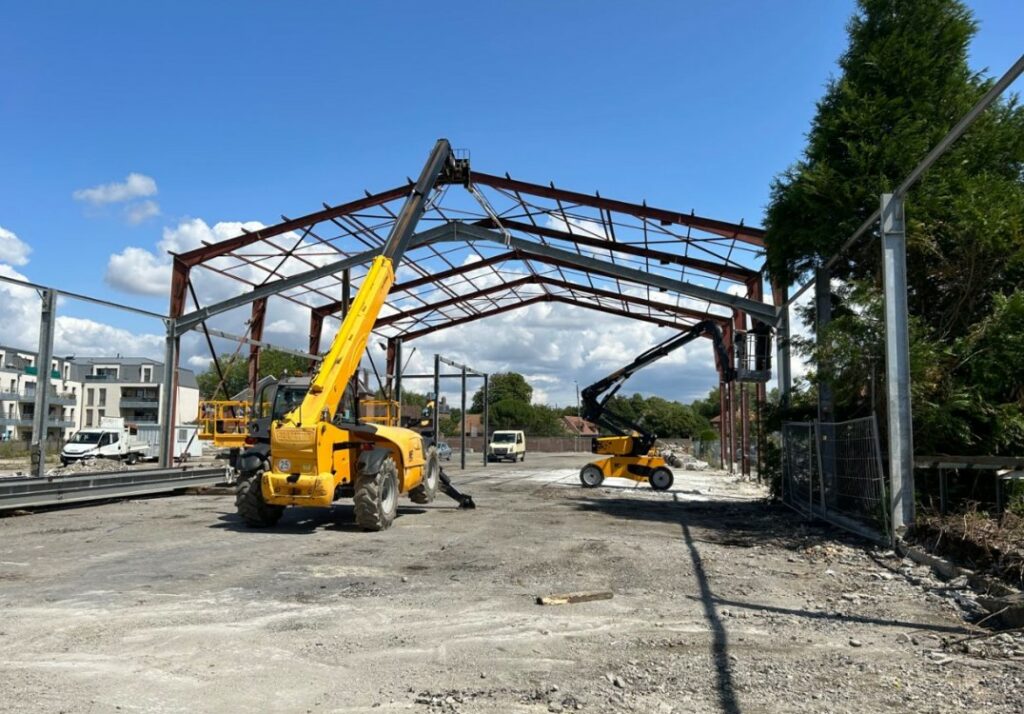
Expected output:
(503, 245)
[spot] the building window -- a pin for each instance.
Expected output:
(89, 396)
(88, 417)
(103, 397)
(108, 372)
(147, 373)
(100, 413)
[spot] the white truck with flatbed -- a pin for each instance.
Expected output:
(112, 439)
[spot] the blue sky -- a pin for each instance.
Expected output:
(245, 111)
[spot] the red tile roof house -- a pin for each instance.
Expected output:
(579, 427)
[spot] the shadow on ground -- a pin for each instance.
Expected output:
(297, 521)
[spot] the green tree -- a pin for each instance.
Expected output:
(500, 387)
(904, 82)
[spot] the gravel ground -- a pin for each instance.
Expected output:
(721, 603)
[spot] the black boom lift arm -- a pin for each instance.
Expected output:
(595, 397)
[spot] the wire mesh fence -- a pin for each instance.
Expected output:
(834, 471)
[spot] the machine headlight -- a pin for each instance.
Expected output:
(284, 466)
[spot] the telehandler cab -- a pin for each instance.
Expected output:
(318, 453)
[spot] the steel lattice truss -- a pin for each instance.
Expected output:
(515, 244)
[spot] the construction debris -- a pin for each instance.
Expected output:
(573, 598)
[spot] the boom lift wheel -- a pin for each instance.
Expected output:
(425, 492)
(376, 497)
(661, 479)
(250, 504)
(591, 476)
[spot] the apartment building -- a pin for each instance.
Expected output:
(19, 380)
(86, 388)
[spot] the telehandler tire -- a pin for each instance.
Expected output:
(427, 490)
(376, 497)
(591, 476)
(250, 505)
(661, 479)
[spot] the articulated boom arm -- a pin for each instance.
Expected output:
(342, 360)
(595, 397)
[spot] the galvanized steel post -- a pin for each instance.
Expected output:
(436, 417)
(897, 361)
(487, 410)
(169, 394)
(462, 418)
(43, 369)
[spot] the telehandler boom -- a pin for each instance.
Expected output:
(316, 454)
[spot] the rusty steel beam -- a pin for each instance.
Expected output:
(747, 234)
(259, 314)
(215, 250)
(483, 292)
(734, 273)
(620, 313)
(407, 337)
(552, 282)
(470, 318)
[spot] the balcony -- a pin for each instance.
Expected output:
(29, 397)
(6, 396)
(140, 402)
(52, 422)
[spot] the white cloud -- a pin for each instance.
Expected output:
(136, 213)
(134, 186)
(85, 337)
(13, 250)
(138, 271)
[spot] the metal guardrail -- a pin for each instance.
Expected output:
(33, 492)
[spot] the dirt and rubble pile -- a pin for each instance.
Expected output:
(984, 543)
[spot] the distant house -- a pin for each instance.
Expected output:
(579, 427)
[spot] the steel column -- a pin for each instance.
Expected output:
(721, 424)
(47, 320)
(437, 398)
(897, 361)
(462, 417)
(259, 313)
(167, 405)
(826, 404)
(398, 378)
(487, 417)
(745, 427)
(783, 368)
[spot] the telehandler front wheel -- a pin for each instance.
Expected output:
(591, 476)
(425, 492)
(661, 479)
(250, 505)
(376, 497)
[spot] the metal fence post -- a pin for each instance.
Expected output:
(41, 417)
(897, 361)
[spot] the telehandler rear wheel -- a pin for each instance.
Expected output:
(661, 479)
(376, 497)
(425, 492)
(250, 505)
(591, 476)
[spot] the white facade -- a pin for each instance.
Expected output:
(84, 390)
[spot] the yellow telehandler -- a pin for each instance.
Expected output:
(317, 455)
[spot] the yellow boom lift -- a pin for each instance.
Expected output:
(316, 456)
(630, 449)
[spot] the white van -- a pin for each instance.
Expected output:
(112, 439)
(507, 445)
